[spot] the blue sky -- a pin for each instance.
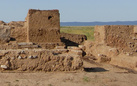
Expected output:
(72, 10)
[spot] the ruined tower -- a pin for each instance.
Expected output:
(43, 26)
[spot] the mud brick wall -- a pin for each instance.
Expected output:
(119, 36)
(123, 37)
(18, 31)
(39, 60)
(99, 34)
(43, 26)
(72, 39)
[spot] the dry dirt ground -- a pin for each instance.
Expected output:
(95, 74)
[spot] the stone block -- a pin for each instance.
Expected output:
(4, 66)
(60, 47)
(25, 43)
(77, 52)
(73, 47)
(59, 51)
(4, 33)
(82, 47)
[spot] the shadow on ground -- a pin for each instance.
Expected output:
(95, 69)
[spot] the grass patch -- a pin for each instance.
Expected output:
(85, 30)
(86, 79)
(50, 85)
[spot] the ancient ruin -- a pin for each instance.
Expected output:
(43, 26)
(116, 44)
(36, 44)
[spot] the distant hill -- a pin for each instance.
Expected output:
(98, 23)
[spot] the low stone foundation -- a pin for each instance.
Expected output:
(30, 45)
(39, 60)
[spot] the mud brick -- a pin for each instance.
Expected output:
(43, 26)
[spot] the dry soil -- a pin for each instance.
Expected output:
(96, 74)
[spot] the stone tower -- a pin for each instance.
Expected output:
(43, 26)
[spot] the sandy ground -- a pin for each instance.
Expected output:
(97, 75)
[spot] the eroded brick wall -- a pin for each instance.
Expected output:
(43, 26)
(18, 31)
(123, 37)
(39, 60)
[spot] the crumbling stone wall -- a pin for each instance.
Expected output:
(18, 31)
(39, 60)
(4, 34)
(123, 37)
(72, 39)
(43, 26)
(118, 43)
(40, 26)
(26, 49)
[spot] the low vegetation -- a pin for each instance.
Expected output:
(86, 79)
(85, 30)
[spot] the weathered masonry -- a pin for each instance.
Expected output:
(36, 44)
(116, 44)
(43, 26)
(123, 37)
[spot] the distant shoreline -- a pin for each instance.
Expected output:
(98, 23)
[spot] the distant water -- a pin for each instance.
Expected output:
(98, 23)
